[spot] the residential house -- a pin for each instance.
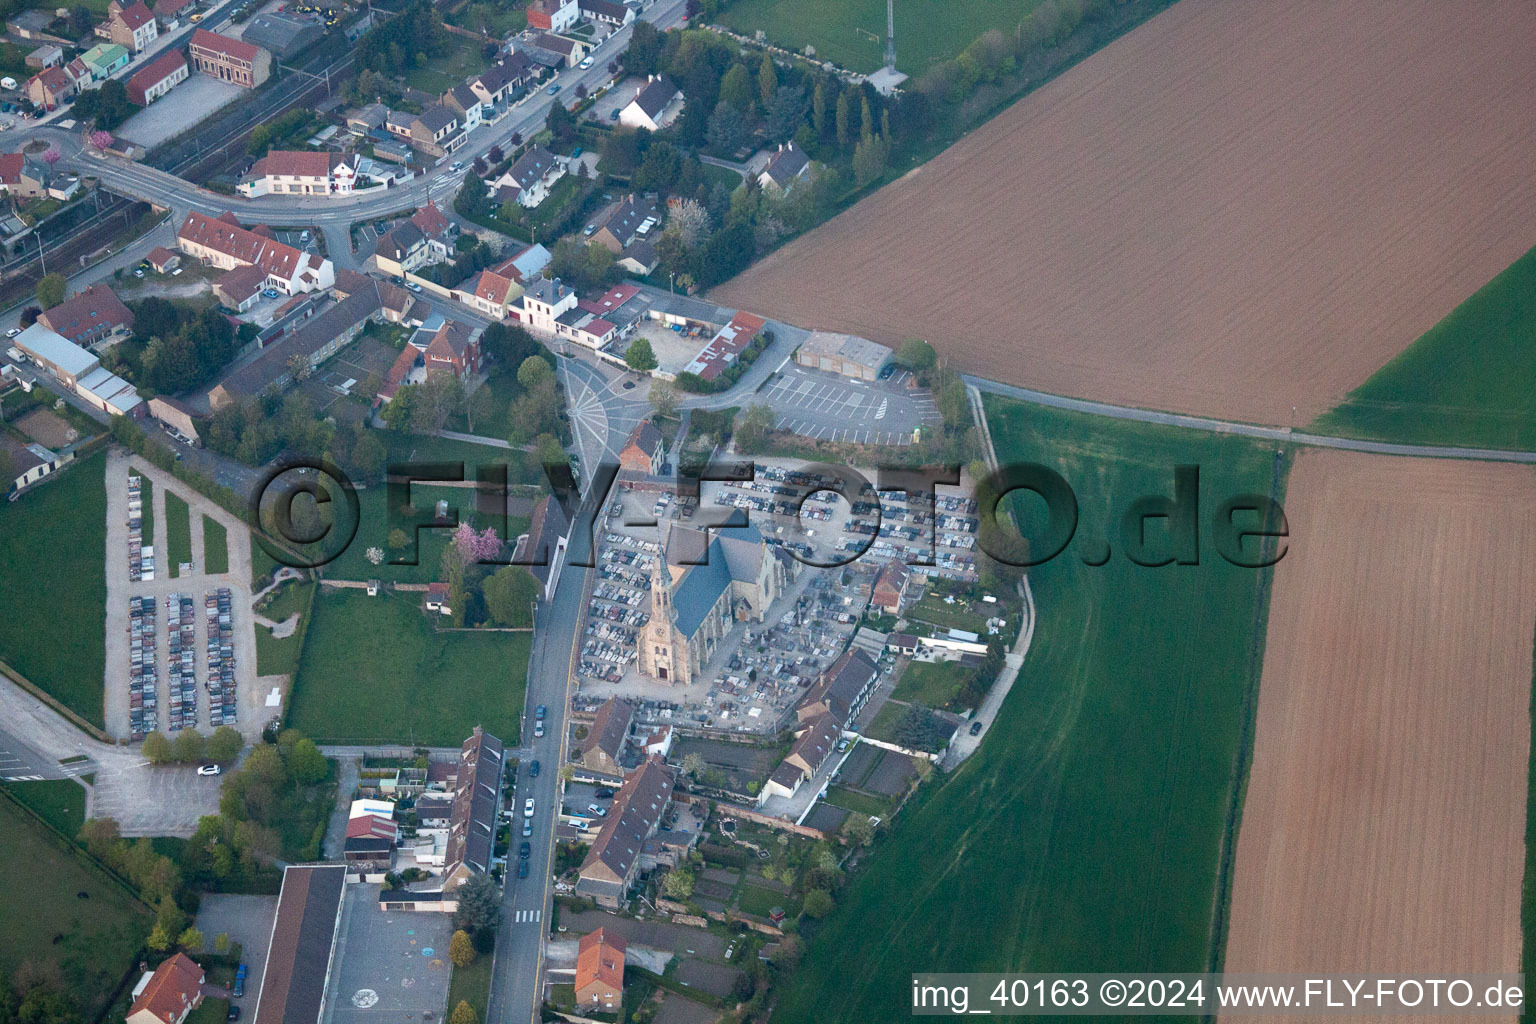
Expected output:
(435, 131)
(842, 690)
(553, 15)
(302, 173)
(455, 349)
(814, 742)
(890, 590)
(366, 118)
(639, 258)
(18, 177)
(229, 60)
(614, 858)
(630, 218)
(608, 737)
(50, 88)
(169, 993)
(30, 462)
(476, 801)
(645, 450)
(542, 548)
(465, 102)
(529, 179)
(397, 305)
(302, 944)
(426, 237)
(158, 77)
(239, 289)
(222, 242)
(569, 48)
(607, 12)
(131, 26)
(542, 303)
(846, 354)
(499, 82)
(320, 337)
(600, 971)
(433, 812)
(163, 260)
(656, 105)
(169, 12)
(95, 316)
(104, 59)
(787, 165)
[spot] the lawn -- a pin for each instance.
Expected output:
(471, 984)
(146, 510)
(59, 802)
(1465, 382)
(53, 544)
(1098, 801)
(178, 532)
(933, 683)
(212, 1011)
(424, 548)
(71, 914)
(427, 448)
(932, 609)
(275, 656)
(215, 546)
(851, 34)
(858, 803)
(443, 73)
(373, 670)
(262, 563)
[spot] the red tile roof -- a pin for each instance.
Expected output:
(159, 256)
(297, 162)
(225, 235)
(374, 826)
(600, 958)
(155, 72)
(234, 48)
(430, 220)
(175, 986)
(135, 16)
(80, 315)
(11, 165)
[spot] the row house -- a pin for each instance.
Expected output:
(131, 26)
(496, 291)
(426, 237)
(158, 77)
(229, 60)
(435, 131)
(222, 242)
(297, 172)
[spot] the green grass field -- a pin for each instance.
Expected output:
(275, 656)
(374, 671)
(1085, 833)
(147, 509)
(1465, 382)
(178, 532)
(59, 802)
(92, 939)
(215, 546)
(471, 984)
(462, 60)
(53, 545)
(851, 33)
(933, 683)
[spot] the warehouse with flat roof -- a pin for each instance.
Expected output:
(847, 354)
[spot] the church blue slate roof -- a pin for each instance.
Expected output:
(699, 588)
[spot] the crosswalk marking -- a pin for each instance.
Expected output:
(22, 778)
(528, 916)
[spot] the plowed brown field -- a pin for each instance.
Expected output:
(1240, 207)
(1384, 825)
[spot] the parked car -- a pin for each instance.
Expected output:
(533, 769)
(413, 286)
(458, 165)
(527, 826)
(540, 712)
(975, 728)
(553, 89)
(538, 730)
(524, 850)
(528, 808)
(239, 989)
(234, 1012)
(208, 769)
(12, 333)
(522, 869)
(587, 63)
(601, 812)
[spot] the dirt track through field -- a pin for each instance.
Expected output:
(1237, 208)
(1384, 825)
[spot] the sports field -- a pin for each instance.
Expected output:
(1384, 826)
(373, 671)
(1465, 382)
(851, 33)
(1084, 834)
(53, 543)
(1234, 210)
(61, 909)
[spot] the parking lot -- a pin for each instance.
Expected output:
(246, 920)
(181, 108)
(822, 405)
(389, 965)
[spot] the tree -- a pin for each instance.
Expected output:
(844, 118)
(368, 457)
(191, 940)
(225, 744)
(157, 749)
(786, 112)
(640, 357)
(479, 904)
(679, 884)
(52, 290)
(100, 141)
(664, 398)
(460, 949)
(736, 88)
(463, 1014)
(534, 373)
(767, 78)
(548, 451)
(221, 943)
(818, 903)
(397, 539)
(690, 221)
(100, 836)
(866, 118)
(306, 763)
(509, 595)
(858, 829)
(560, 122)
(869, 158)
(726, 129)
(692, 764)
(188, 746)
(753, 426)
(916, 355)
(644, 54)
(819, 109)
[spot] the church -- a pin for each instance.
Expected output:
(701, 585)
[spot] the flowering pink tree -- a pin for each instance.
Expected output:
(52, 156)
(474, 547)
(101, 140)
